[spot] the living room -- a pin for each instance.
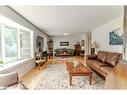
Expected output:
(69, 47)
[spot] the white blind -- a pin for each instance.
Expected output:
(16, 41)
(25, 44)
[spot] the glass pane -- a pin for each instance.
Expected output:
(11, 44)
(25, 44)
(0, 45)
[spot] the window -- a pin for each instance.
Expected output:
(11, 44)
(0, 44)
(25, 44)
(15, 42)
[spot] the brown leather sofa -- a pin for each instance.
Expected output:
(60, 52)
(104, 62)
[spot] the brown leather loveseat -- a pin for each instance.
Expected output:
(60, 52)
(104, 62)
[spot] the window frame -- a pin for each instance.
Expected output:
(22, 30)
(10, 27)
(2, 43)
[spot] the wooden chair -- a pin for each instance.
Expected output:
(39, 59)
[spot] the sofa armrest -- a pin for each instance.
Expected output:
(9, 79)
(117, 78)
(91, 57)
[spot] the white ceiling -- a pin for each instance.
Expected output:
(56, 20)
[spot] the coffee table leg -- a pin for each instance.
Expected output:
(70, 79)
(90, 79)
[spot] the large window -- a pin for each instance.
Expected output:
(0, 44)
(11, 44)
(15, 42)
(25, 46)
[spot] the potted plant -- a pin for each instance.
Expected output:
(1, 62)
(75, 63)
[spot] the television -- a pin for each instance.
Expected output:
(40, 41)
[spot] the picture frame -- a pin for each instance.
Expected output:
(64, 43)
(116, 37)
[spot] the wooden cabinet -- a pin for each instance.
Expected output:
(50, 47)
(77, 50)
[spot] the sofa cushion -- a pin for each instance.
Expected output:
(96, 64)
(101, 56)
(112, 58)
(91, 57)
(8, 79)
(106, 70)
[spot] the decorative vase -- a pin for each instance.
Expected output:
(75, 63)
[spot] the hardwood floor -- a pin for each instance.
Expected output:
(33, 76)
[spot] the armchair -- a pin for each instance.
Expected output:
(40, 59)
(11, 81)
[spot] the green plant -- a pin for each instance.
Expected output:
(1, 62)
(75, 63)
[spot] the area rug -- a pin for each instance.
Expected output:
(56, 77)
(59, 60)
(65, 58)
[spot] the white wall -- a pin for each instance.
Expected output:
(83, 36)
(101, 35)
(71, 39)
(7, 12)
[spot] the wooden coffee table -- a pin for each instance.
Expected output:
(80, 71)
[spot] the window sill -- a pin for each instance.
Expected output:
(8, 66)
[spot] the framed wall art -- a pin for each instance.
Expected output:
(64, 43)
(116, 37)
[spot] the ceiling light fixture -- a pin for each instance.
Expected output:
(65, 33)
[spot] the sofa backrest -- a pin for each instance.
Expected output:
(101, 56)
(64, 50)
(112, 58)
(70, 50)
(109, 57)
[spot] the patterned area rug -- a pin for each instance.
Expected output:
(65, 58)
(56, 77)
(59, 60)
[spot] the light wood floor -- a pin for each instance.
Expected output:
(33, 76)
